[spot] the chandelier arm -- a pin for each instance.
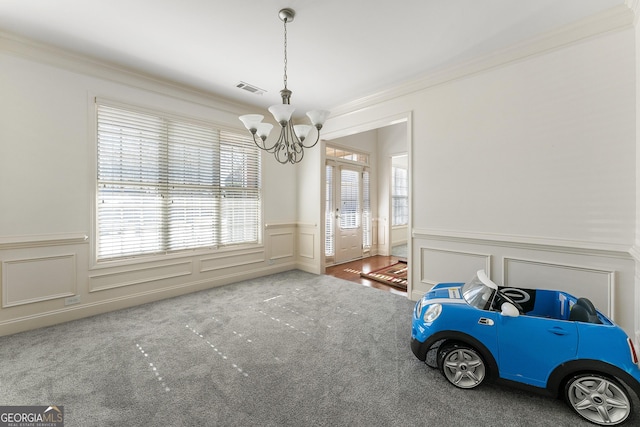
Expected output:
(299, 155)
(255, 141)
(274, 146)
(282, 153)
(314, 144)
(261, 144)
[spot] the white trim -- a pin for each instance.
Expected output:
(35, 241)
(528, 242)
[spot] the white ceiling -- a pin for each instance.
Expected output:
(338, 50)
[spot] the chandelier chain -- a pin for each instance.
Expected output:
(285, 53)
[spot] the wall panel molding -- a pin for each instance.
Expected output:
(306, 244)
(282, 245)
(231, 260)
(596, 284)
(142, 274)
(441, 265)
(37, 279)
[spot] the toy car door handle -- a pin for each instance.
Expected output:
(558, 331)
(485, 321)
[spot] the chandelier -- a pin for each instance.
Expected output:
(289, 147)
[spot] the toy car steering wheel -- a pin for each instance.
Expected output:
(502, 297)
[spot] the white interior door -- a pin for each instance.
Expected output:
(348, 209)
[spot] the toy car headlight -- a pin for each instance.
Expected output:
(432, 313)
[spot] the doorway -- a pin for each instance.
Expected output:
(347, 211)
(379, 142)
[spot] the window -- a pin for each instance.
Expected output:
(366, 210)
(399, 196)
(329, 214)
(346, 154)
(350, 199)
(165, 184)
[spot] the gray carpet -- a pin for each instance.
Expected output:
(292, 349)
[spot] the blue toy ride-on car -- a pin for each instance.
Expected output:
(474, 332)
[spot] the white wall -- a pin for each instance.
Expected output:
(310, 182)
(523, 163)
(635, 251)
(47, 179)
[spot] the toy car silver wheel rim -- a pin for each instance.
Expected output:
(599, 400)
(463, 368)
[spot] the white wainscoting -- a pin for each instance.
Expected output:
(40, 272)
(30, 280)
(306, 245)
(280, 240)
(447, 265)
(231, 260)
(308, 248)
(282, 245)
(139, 274)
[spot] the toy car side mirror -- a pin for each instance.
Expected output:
(509, 310)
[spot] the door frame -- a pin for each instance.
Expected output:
(403, 117)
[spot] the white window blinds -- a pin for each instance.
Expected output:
(399, 196)
(366, 209)
(329, 213)
(350, 199)
(165, 184)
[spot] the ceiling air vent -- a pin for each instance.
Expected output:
(250, 88)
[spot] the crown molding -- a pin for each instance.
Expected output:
(41, 52)
(634, 6)
(614, 19)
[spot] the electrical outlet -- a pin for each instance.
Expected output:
(72, 300)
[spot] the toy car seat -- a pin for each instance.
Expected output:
(584, 311)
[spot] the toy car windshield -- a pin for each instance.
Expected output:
(479, 291)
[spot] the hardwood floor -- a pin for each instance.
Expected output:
(351, 271)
